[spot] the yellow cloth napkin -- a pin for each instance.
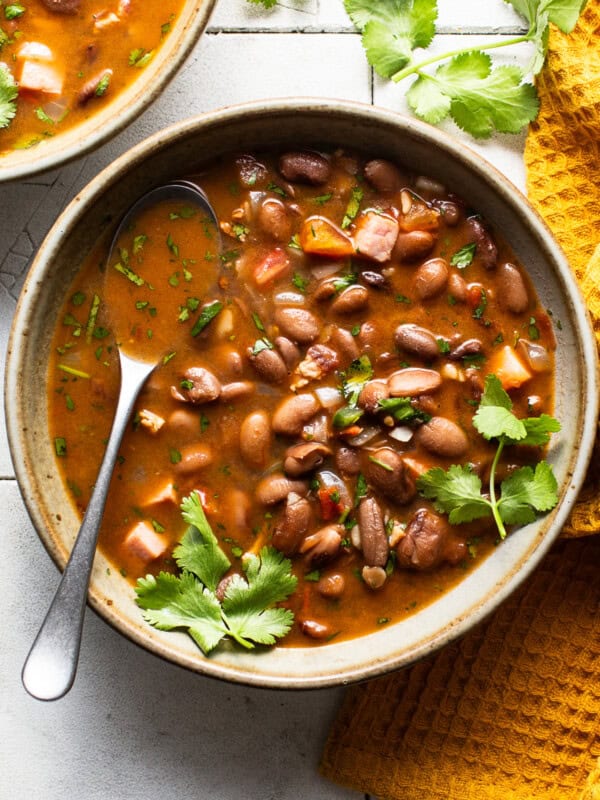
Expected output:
(512, 711)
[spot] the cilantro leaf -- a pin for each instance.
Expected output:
(199, 551)
(456, 492)
(563, 13)
(526, 492)
(265, 3)
(494, 417)
(8, 96)
(391, 29)
(539, 430)
(169, 602)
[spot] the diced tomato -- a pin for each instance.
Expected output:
(144, 542)
(272, 266)
(331, 505)
(321, 237)
(474, 291)
(509, 368)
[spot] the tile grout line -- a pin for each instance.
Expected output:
(333, 30)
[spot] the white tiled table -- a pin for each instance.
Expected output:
(133, 726)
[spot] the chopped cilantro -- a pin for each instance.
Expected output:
(353, 206)
(463, 257)
(208, 313)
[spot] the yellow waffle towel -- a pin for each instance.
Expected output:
(512, 711)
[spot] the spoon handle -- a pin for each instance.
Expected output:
(50, 667)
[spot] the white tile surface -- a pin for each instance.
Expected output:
(133, 726)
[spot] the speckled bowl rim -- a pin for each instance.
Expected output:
(250, 670)
(122, 110)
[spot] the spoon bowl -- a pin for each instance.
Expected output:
(50, 667)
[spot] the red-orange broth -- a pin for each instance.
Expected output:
(326, 258)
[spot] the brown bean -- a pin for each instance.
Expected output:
(302, 458)
(413, 380)
(443, 437)
(371, 393)
(305, 167)
(323, 545)
(269, 364)
(293, 412)
(255, 439)
(326, 289)
(431, 278)
(470, 347)
(451, 212)
(386, 472)
(194, 458)
(62, 6)
(89, 89)
(375, 279)
(273, 219)
(344, 343)
(294, 524)
(315, 630)
(298, 324)
(274, 488)
(419, 341)
(369, 336)
(289, 352)
(411, 245)
(423, 543)
(486, 251)
(347, 461)
(374, 577)
(197, 385)
(237, 390)
(384, 176)
(373, 538)
(512, 292)
(331, 585)
(354, 298)
(457, 287)
(184, 420)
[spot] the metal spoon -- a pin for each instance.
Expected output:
(50, 667)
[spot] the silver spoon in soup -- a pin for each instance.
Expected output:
(50, 667)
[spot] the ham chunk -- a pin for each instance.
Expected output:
(144, 543)
(38, 71)
(165, 494)
(375, 236)
(153, 422)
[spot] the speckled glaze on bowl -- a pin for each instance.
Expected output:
(123, 109)
(184, 148)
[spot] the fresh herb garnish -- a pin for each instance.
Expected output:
(479, 96)
(139, 57)
(299, 282)
(523, 494)
(463, 257)
(8, 96)
(353, 206)
(247, 613)
(208, 313)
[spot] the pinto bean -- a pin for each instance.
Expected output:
(369, 336)
(512, 293)
(431, 278)
(457, 287)
(371, 393)
(305, 167)
(236, 390)
(374, 577)
(289, 352)
(450, 212)
(194, 458)
(412, 381)
(293, 412)
(347, 461)
(344, 343)
(411, 245)
(255, 439)
(273, 218)
(269, 364)
(331, 585)
(298, 324)
(294, 524)
(373, 537)
(198, 385)
(184, 420)
(386, 472)
(384, 176)
(470, 347)
(375, 279)
(486, 251)
(274, 488)
(62, 6)
(354, 298)
(315, 630)
(221, 589)
(423, 544)
(89, 88)
(302, 458)
(323, 545)
(419, 341)
(443, 437)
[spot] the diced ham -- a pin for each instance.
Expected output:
(375, 236)
(271, 267)
(165, 494)
(153, 422)
(34, 51)
(144, 543)
(105, 20)
(38, 72)
(319, 361)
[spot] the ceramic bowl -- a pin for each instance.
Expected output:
(123, 109)
(276, 124)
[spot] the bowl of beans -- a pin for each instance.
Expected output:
(375, 399)
(74, 72)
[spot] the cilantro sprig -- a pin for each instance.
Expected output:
(247, 614)
(481, 98)
(8, 96)
(524, 494)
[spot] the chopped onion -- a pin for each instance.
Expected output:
(326, 270)
(317, 430)
(329, 397)
(402, 433)
(330, 480)
(256, 199)
(536, 354)
(368, 433)
(355, 537)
